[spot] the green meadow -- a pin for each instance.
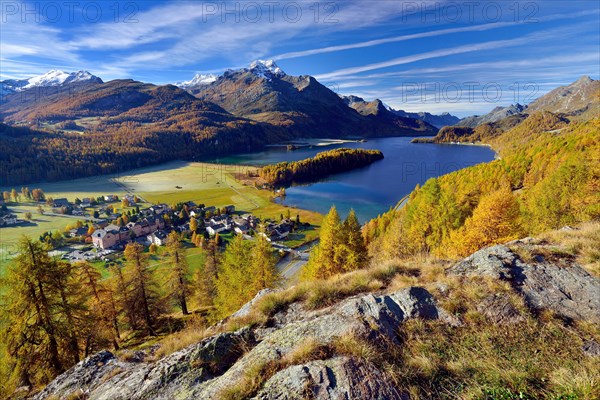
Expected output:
(203, 183)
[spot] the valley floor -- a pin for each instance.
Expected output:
(209, 184)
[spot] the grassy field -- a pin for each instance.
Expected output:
(210, 184)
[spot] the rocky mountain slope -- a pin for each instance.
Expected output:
(437, 120)
(119, 99)
(357, 346)
(265, 93)
(376, 110)
(495, 115)
(109, 127)
(578, 101)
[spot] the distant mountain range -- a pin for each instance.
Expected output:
(292, 106)
(496, 114)
(579, 101)
(74, 125)
(437, 121)
(263, 92)
(51, 78)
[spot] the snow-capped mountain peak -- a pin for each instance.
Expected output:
(266, 69)
(387, 107)
(57, 78)
(198, 79)
(50, 78)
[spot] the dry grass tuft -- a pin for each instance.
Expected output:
(197, 330)
(351, 345)
(309, 349)
(180, 340)
(583, 242)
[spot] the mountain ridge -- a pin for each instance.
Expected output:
(377, 106)
(265, 93)
(579, 100)
(49, 79)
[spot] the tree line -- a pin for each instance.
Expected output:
(33, 156)
(323, 164)
(25, 193)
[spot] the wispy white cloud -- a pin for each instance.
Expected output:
(422, 35)
(491, 45)
(564, 61)
(529, 40)
(28, 40)
(402, 38)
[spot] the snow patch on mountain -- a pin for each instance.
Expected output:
(266, 69)
(50, 78)
(198, 79)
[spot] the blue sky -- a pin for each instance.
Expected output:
(462, 57)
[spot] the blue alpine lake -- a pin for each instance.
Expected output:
(371, 190)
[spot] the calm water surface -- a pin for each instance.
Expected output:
(373, 189)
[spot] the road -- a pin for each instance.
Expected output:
(290, 265)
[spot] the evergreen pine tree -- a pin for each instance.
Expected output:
(101, 303)
(207, 276)
(123, 297)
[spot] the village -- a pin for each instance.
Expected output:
(109, 230)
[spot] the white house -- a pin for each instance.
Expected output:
(241, 229)
(158, 238)
(216, 228)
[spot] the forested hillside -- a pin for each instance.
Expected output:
(547, 176)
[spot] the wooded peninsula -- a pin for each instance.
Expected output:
(319, 166)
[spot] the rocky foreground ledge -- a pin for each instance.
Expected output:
(216, 366)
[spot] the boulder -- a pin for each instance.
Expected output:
(332, 379)
(499, 309)
(562, 287)
(84, 374)
(366, 316)
(246, 308)
(591, 348)
(103, 376)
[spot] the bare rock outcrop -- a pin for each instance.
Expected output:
(205, 369)
(335, 378)
(567, 290)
